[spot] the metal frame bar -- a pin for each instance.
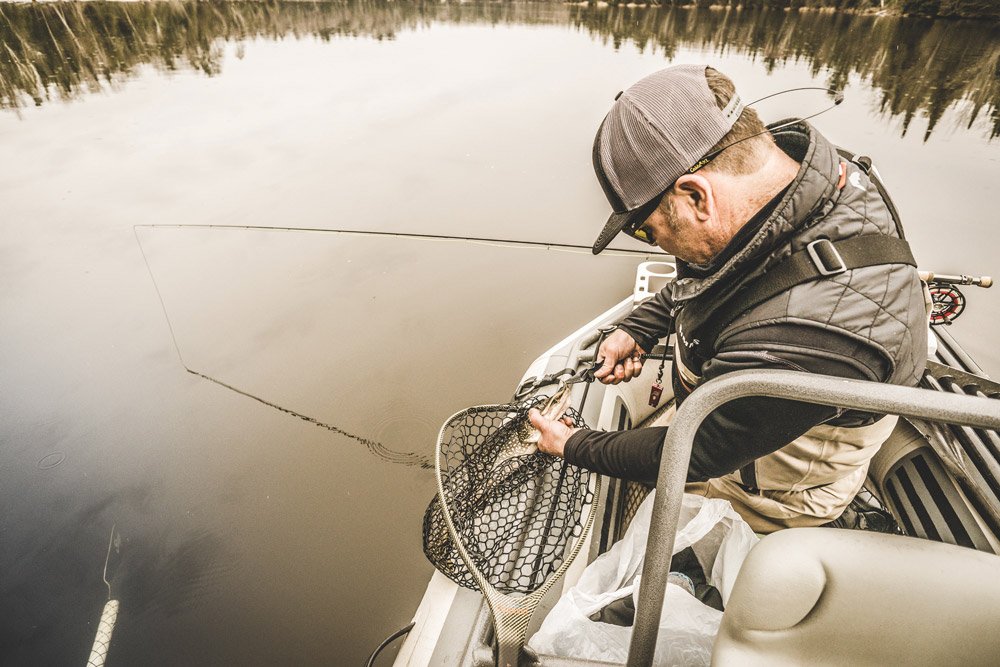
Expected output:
(820, 389)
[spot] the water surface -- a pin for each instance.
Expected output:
(252, 534)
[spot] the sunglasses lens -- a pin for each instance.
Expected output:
(640, 232)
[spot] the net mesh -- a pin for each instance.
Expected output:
(516, 519)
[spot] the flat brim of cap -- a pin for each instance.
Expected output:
(618, 221)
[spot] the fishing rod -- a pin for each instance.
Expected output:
(403, 235)
(376, 448)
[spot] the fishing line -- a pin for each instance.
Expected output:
(111, 539)
(376, 448)
(838, 97)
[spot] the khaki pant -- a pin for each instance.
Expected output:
(808, 482)
(768, 511)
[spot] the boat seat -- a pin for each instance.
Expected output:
(823, 596)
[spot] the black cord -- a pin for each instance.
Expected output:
(388, 640)
(837, 99)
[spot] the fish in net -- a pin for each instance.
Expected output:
(516, 518)
(507, 520)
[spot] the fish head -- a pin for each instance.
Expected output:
(553, 408)
(525, 439)
(557, 404)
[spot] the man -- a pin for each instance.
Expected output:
(789, 257)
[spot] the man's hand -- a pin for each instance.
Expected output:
(554, 433)
(622, 358)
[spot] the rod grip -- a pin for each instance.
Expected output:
(931, 277)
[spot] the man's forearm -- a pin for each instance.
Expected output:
(632, 455)
(729, 438)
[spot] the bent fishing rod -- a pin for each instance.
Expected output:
(376, 448)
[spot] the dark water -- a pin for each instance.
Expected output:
(269, 502)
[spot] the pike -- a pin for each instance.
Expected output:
(523, 440)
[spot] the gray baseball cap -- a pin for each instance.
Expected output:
(657, 130)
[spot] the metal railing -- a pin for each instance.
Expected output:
(824, 390)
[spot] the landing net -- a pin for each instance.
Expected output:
(515, 521)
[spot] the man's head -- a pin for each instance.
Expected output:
(668, 140)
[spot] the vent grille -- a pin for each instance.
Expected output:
(949, 491)
(928, 503)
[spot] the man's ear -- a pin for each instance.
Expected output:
(695, 192)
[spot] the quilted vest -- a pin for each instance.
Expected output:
(811, 480)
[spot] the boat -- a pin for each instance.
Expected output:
(804, 595)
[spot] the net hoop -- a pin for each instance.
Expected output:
(511, 615)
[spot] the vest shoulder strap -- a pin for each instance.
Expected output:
(866, 165)
(818, 260)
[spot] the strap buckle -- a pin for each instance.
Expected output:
(864, 162)
(825, 257)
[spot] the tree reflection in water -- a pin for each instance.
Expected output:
(63, 50)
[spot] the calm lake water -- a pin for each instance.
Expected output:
(248, 533)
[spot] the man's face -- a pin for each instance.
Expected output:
(668, 228)
(686, 222)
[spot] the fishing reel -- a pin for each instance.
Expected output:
(947, 301)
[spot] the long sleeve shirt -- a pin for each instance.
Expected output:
(748, 428)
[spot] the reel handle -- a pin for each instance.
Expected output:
(931, 277)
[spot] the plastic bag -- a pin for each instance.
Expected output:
(720, 539)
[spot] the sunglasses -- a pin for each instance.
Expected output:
(640, 231)
(637, 228)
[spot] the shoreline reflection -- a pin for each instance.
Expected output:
(65, 50)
